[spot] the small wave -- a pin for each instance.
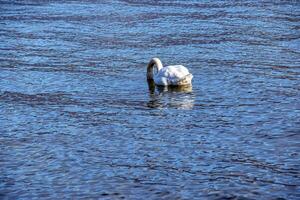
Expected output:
(36, 99)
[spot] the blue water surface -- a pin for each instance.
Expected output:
(78, 120)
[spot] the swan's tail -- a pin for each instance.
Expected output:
(186, 80)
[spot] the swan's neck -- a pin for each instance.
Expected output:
(153, 62)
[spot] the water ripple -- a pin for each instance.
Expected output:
(78, 119)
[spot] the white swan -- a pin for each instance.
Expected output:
(170, 75)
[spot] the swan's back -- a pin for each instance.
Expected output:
(173, 75)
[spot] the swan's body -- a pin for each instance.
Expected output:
(169, 75)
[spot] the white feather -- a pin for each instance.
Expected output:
(170, 75)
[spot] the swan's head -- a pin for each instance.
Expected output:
(154, 62)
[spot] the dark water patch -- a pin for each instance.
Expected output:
(36, 99)
(18, 3)
(208, 5)
(80, 121)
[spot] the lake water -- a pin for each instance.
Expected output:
(78, 119)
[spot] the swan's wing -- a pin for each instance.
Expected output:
(173, 75)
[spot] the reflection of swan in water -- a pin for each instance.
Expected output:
(170, 75)
(180, 97)
(170, 88)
